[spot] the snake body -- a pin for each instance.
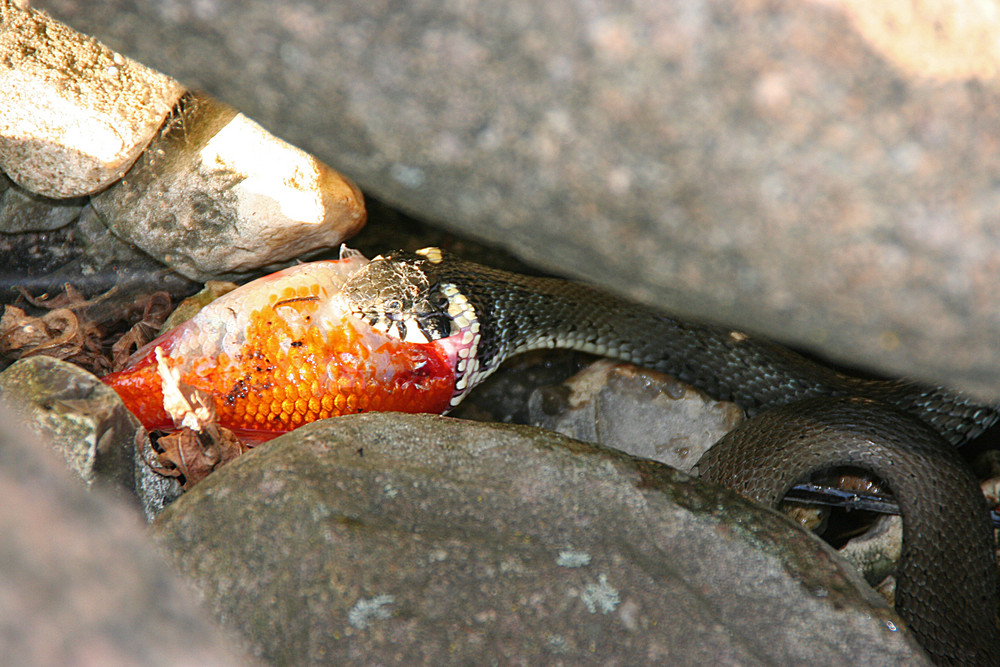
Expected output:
(804, 416)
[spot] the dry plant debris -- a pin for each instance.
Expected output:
(59, 333)
(200, 445)
(80, 330)
(190, 455)
(154, 312)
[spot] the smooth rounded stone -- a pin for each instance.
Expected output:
(87, 423)
(81, 584)
(823, 173)
(80, 417)
(875, 552)
(23, 211)
(217, 195)
(416, 539)
(73, 115)
(635, 410)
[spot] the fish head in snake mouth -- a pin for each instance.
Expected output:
(408, 295)
(397, 295)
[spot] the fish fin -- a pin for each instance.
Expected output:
(350, 253)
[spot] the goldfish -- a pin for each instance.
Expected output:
(287, 349)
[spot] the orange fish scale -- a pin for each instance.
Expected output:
(288, 372)
(302, 381)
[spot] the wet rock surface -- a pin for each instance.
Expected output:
(85, 254)
(105, 262)
(402, 538)
(801, 170)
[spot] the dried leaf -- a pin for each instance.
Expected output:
(70, 298)
(17, 331)
(123, 349)
(199, 446)
(64, 332)
(155, 311)
(80, 330)
(192, 455)
(59, 333)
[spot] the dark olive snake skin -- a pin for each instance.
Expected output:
(805, 417)
(946, 588)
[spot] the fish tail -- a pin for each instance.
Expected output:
(141, 389)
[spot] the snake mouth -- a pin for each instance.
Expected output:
(405, 298)
(451, 325)
(461, 350)
(451, 311)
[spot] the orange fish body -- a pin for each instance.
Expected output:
(283, 351)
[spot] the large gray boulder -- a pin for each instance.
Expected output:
(413, 539)
(824, 173)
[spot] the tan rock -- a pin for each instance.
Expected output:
(638, 411)
(932, 39)
(218, 195)
(74, 115)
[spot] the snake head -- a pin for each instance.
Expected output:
(399, 295)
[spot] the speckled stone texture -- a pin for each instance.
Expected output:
(83, 419)
(634, 410)
(23, 211)
(822, 173)
(415, 539)
(73, 114)
(217, 195)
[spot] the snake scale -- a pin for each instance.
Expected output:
(804, 416)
